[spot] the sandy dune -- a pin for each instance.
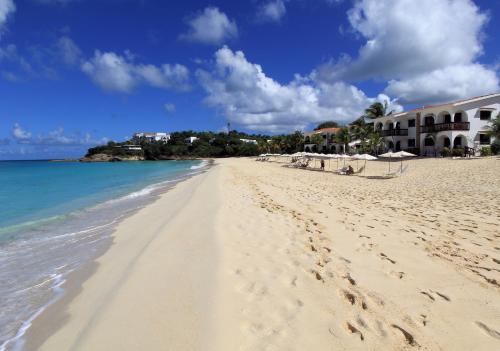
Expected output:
(257, 256)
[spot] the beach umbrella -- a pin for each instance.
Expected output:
(388, 155)
(399, 155)
(403, 154)
(344, 156)
(365, 157)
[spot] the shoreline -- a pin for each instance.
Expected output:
(257, 256)
(44, 319)
(57, 316)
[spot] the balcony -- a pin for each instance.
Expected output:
(394, 132)
(441, 127)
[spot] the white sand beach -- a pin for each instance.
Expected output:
(256, 256)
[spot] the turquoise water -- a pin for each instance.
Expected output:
(35, 190)
(57, 216)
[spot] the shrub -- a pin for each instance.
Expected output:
(458, 151)
(486, 151)
(445, 152)
(495, 147)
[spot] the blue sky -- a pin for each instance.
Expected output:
(75, 73)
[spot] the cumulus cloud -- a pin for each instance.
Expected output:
(445, 84)
(246, 96)
(271, 11)
(7, 8)
(114, 72)
(211, 26)
(20, 135)
(409, 41)
(169, 107)
(56, 137)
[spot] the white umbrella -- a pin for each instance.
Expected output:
(404, 154)
(344, 156)
(365, 157)
(389, 155)
(399, 154)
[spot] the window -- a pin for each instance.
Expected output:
(484, 114)
(458, 117)
(429, 141)
(484, 139)
(411, 142)
(411, 123)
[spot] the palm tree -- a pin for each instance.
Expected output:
(318, 140)
(374, 141)
(343, 137)
(494, 128)
(377, 109)
(361, 131)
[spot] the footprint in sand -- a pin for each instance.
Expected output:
(489, 331)
(408, 337)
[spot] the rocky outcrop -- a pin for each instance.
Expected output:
(110, 158)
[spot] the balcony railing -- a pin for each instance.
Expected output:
(440, 127)
(394, 132)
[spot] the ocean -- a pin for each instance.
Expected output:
(57, 216)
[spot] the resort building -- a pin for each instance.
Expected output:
(328, 145)
(153, 136)
(427, 130)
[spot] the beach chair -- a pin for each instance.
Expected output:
(360, 170)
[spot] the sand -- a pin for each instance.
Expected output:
(258, 256)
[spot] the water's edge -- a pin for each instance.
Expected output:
(52, 316)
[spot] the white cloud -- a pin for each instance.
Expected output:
(56, 137)
(70, 53)
(20, 135)
(271, 11)
(445, 84)
(169, 107)
(7, 8)
(210, 26)
(409, 41)
(113, 72)
(246, 96)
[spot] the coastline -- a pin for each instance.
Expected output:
(48, 318)
(257, 256)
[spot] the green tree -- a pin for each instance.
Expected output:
(317, 139)
(494, 128)
(343, 137)
(375, 140)
(376, 110)
(362, 132)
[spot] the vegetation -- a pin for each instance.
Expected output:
(208, 144)
(494, 130)
(458, 152)
(376, 110)
(445, 152)
(486, 151)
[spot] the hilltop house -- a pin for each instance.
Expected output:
(427, 130)
(191, 139)
(153, 136)
(249, 141)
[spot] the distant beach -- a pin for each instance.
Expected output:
(254, 256)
